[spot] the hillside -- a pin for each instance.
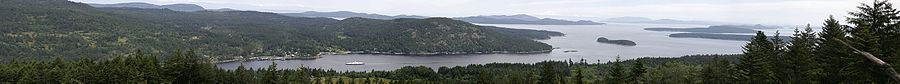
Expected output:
(46, 28)
(429, 36)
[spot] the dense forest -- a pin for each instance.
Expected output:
(833, 56)
(51, 28)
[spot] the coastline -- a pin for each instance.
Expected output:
(321, 54)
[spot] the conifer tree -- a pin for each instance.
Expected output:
(548, 73)
(831, 55)
(716, 72)
(579, 74)
(881, 19)
(798, 62)
(637, 73)
(874, 25)
(616, 73)
(755, 66)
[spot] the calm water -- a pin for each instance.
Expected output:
(578, 37)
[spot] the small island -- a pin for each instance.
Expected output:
(617, 42)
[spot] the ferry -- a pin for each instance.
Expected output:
(355, 63)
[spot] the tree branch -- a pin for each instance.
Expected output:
(883, 65)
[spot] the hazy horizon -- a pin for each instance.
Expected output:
(773, 12)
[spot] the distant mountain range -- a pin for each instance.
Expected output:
(491, 19)
(523, 19)
(662, 21)
(348, 14)
(175, 7)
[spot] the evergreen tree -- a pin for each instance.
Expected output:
(874, 27)
(548, 73)
(881, 19)
(797, 66)
(616, 73)
(831, 55)
(271, 75)
(755, 67)
(716, 72)
(187, 68)
(637, 73)
(579, 75)
(485, 77)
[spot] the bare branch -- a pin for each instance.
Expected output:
(884, 65)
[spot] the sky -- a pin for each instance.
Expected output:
(774, 12)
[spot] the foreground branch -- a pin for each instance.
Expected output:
(883, 65)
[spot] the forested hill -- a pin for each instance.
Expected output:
(428, 36)
(41, 28)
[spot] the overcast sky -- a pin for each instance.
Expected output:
(779, 12)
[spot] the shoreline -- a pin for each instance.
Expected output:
(321, 54)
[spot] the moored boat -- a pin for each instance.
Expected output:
(355, 63)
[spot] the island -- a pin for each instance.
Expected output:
(721, 36)
(523, 19)
(710, 29)
(617, 42)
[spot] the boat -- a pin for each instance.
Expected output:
(568, 51)
(355, 63)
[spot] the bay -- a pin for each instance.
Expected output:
(581, 38)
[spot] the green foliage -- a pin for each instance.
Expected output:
(831, 54)
(430, 36)
(717, 72)
(636, 76)
(756, 66)
(874, 30)
(616, 73)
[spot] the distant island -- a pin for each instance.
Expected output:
(523, 19)
(713, 29)
(348, 14)
(617, 42)
(489, 19)
(174, 7)
(720, 36)
(661, 21)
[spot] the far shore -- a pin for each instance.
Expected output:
(321, 54)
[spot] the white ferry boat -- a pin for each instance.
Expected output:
(355, 63)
